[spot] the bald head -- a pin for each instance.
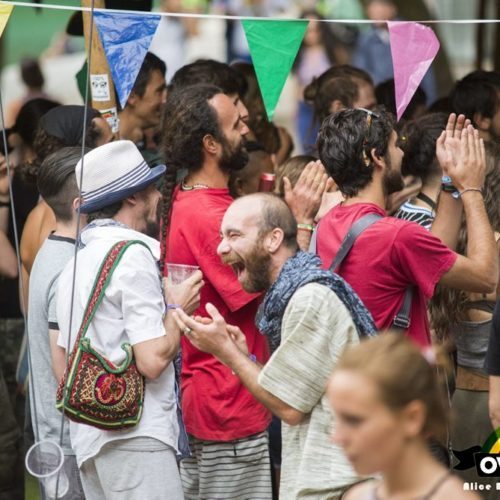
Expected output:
(268, 211)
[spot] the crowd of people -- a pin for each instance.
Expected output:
(337, 337)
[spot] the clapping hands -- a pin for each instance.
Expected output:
(461, 154)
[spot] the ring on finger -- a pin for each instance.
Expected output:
(187, 330)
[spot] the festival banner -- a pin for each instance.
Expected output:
(5, 12)
(413, 48)
(126, 39)
(273, 47)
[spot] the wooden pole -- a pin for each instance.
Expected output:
(480, 35)
(496, 46)
(101, 81)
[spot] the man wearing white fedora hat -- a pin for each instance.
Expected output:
(119, 195)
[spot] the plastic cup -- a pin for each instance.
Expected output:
(45, 461)
(177, 273)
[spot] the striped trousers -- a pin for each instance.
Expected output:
(235, 470)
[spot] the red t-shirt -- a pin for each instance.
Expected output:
(215, 404)
(386, 258)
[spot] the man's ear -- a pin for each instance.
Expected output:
(76, 203)
(132, 99)
(377, 160)
(481, 122)
(273, 240)
(336, 105)
(132, 199)
(413, 417)
(210, 145)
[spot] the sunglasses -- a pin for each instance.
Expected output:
(369, 118)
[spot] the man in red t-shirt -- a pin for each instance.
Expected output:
(359, 151)
(204, 133)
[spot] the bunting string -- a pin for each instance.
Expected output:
(241, 18)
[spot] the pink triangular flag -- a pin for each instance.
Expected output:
(413, 48)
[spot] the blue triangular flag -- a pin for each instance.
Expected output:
(126, 39)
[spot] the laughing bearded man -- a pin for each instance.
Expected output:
(309, 316)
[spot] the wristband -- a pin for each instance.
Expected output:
(305, 227)
(459, 194)
(4, 203)
(173, 306)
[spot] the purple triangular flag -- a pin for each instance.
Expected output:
(413, 48)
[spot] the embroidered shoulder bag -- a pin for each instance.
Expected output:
(93, 390)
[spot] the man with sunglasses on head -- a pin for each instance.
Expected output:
(391, 256)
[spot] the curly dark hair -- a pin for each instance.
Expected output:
(418, 142)
(188, 117)
(345, 141)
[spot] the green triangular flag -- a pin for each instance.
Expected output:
(81, 80)
(273, 47)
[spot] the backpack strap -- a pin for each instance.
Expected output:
(356, 229)
(401, 321)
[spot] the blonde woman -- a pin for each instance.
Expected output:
(388, 401)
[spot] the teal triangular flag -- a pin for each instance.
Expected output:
(273, 47)
(81, 79)
(126, 39)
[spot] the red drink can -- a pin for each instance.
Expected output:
(266, 183)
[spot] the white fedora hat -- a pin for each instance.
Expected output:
(112, 173)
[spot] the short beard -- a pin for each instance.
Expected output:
(393, 181)
(153, 227)
(233, 159)
(257, 267)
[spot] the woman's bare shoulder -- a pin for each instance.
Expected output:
(361, 491)
(454, 488)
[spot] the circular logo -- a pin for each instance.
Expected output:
(109, 389)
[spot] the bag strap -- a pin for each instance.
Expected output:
(402, 320)
(101, 282)
(314, 240)
(355, 230)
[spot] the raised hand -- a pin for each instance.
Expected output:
(304, 199)
(212, 337)
(465, 160)
(447, 144)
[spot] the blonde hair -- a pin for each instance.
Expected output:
(403, 374)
